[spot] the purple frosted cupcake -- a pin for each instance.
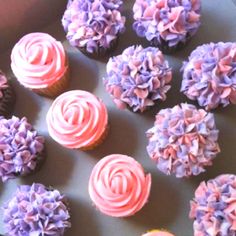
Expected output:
(166, 24)
(214, 207)
(21, 148)
(93, 26)
(7, 96)
(138, 78)
(209, 75)
(183, 140)
(36, 210)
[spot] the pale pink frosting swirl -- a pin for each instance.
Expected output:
(77, 119)
(118, 186)
(158, 233)
(38, 60)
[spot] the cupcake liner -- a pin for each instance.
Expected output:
(101, 52)
(97, 142)
(57, 88)
(8, 101)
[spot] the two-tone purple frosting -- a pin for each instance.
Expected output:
(36, 211)
(183, 140)
(138, 77)
(171, 21)
(93, 24)
(214, 207)
(20, 147)
(209, 75)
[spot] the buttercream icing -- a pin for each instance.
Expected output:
(93, 24)
(20, 147)
(183, 140)
(118, 186)
(166, 20)
(209, 75)
(158, 233)
(77, 119)
(36, 211)
(38, 60)
(214, 207)
(138, 77)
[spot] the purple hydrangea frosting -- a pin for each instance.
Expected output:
(209, 75)
(214, 207)
(36, 211)
(138, 77)
(93, 24)
(183, 140)
(20, 147)
(171, 21)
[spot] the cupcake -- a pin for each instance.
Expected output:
(166, 24)
(138, 78)
(156, 232)
(214, 207)
(36, 210)
(209, 75)
(93, 26)
(118, 186)
(7, 96)
(21, 148)
(78, 120)
(39, 63)
(183, 140)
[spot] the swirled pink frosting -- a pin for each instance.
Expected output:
(158, 233)
(38, 60)
(118, 186)
(77, 119)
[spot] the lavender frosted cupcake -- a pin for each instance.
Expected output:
(21, 148)
(93, 26)
(36, 210)
(209, 75)
(166, 24)
(138, 78)
(183, 140)
(214, 207)
(7, 96)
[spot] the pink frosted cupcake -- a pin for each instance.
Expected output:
(78, 120)
(138, 78)
(183, 140)
(156, 232)
(214, 207)
(118, 186)
(93, 26)
(7, 96)
(39, 63)
(167, 24)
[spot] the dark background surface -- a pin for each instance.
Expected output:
(68, 170)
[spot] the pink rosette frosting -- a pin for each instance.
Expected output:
(158, 233)
(183, 140)
(118, 186)
(77, 119)
(38, 60)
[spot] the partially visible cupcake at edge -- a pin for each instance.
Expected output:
(39, 63)
(183, 140)
(138, 78)
(21, 148)
(36, 210)
(78, 119)
(94, 26)
(7, 96)
(213, 208)
(118, 186)
(157, 232)
(167, 24)
(209, 75)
